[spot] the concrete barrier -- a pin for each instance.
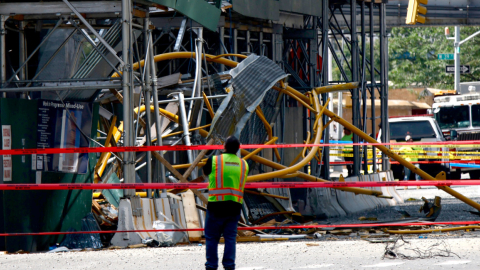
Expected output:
(176, 206)
(385, 190)
(349, 201)
(395, 194)
(321, 201)
(126, 223)
(391, 190)
(372, 201)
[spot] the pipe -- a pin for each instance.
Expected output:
(301, 164)
(260, 115)
(364, 86)
(384, 84)
(186, 133)
(355, 95)
(156, 110)
(372, 83)
(148, 92)
(197, 85)
(305, 104)
(188, 99)
(58, 88)
(129, 162)
(21, 53)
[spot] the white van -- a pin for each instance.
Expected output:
(421, 129)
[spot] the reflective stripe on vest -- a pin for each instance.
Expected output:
(227, 179)
(219, 174)
(225, 191)
(243, 169)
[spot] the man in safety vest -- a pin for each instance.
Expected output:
(407, 151)
(348, 149)
(227, 175)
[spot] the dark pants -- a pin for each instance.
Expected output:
(215, 226)
(349, 166)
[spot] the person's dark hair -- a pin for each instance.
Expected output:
(232, 144)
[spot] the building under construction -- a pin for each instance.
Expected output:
(78, 74)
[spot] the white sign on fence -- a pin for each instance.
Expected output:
(7, 159)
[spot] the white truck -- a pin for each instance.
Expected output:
(421, 129)
(458, 116)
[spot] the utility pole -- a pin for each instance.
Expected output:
(457, 43)
(457, 58)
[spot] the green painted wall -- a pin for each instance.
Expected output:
(39, 211)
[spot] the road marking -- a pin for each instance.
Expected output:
(383, 264)
(453, 262)
(254, 268)
(315, 266)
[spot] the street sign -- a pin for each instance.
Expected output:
(445, 56)
(463, 69)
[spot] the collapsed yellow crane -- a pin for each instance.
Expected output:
(309, 100)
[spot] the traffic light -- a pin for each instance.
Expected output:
(414, 8)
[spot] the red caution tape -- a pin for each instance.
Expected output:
(201, 147)
(248, 185)
(361, 225)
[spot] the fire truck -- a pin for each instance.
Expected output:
(458, 115)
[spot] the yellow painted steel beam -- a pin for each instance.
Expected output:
(402, 161)
(209, 107)
(294, 96)
(260, 149)
(301, 154)
(111, 131)
(298, 166)
(102, 161)
(184, 55)
(289, 90)
(163, 112)
(302, 175)
(336, 87)
(308, 177)
(260, 115)
(141, 194)
(180, 132)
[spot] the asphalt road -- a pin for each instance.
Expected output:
(313, 254)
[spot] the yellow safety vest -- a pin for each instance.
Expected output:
(227, 179)
(347, 149)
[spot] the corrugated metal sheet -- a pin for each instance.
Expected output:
(251, 80)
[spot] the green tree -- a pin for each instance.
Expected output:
(413, 60)
(413, 57)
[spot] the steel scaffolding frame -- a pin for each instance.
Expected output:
(299, 58)
(357, 67)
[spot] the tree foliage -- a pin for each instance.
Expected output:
(413, 57)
